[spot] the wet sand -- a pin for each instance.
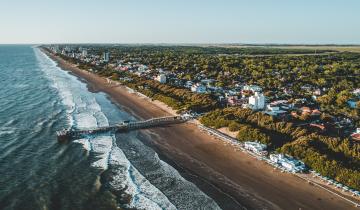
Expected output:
(232, 178)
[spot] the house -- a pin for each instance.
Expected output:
(188, 84)
(257, 101)
(317, 92)
(352, 103)
(282, 104)
(215, 89)
(307, 87)
(274, 110)
(356, 92)
(288, 91)
(236, 101)
(356, 135)
(253, 88)
(142, 68)
(289, 163)
(198, 88)
(321, 127)
(123, 68)
(221, 98)
(315, 112)
(208, 82)
(272, 107)
(175, 81)
(308, 111)
(161, 78)
(305, 110)
(256, 147)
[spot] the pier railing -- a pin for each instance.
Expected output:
(66, 135)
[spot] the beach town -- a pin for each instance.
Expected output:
(284, 106)
(179, 105)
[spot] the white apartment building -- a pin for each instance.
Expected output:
(84, 53)
(257, 101)
(106, 56)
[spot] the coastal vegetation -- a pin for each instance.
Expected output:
(331, 156)
(175, 97)
(335, 74)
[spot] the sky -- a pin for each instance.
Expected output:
(180, 21)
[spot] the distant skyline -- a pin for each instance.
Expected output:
(181, 21)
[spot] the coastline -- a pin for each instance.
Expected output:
(216, 168)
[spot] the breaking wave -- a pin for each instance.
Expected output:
(83, 112)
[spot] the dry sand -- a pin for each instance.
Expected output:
(227, 175)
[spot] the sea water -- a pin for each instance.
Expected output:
(37, 98)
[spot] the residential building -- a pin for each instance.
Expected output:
(256, 147)
(289, 163)
(253, 88)
(142, 68)
(274, 110)
(188, 84)
(352, 103)
(356, 135)
(319, 127)
(84, 53)
(236, 101)
(106, 56)
(208, 82)
(198, 88)
(161, 78)
(272, 107)
(288, 91)
(317, 92)
(356, 92)
(257, 101)
(308, 111)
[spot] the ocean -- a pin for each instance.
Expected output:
(107, 171)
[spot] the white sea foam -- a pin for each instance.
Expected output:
(85, 143)
(84, 112)
(182, 193)
(128, 179)
(59, 82)
(21, 85)
(101, 145)
(6, 132)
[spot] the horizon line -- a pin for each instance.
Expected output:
(184, 43)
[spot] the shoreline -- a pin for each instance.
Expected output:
(251, 183)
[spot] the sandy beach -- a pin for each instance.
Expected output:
(232, 178)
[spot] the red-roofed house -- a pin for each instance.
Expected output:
(319, 126)
(355, 136)
(315, 112)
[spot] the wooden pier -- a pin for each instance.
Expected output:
(66, 135)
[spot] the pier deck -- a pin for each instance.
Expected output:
(66, 135)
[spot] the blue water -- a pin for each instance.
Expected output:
(37, 98)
